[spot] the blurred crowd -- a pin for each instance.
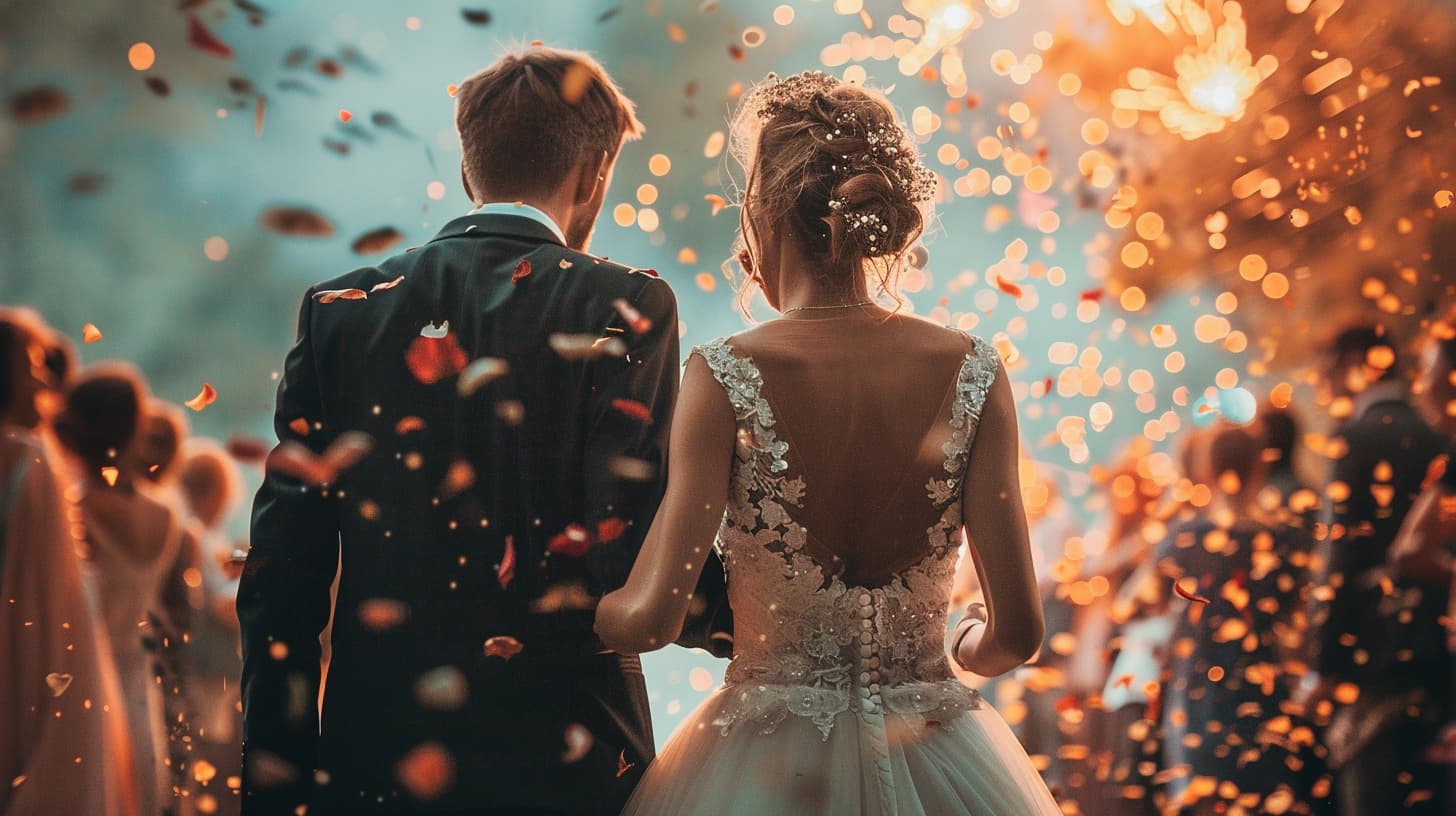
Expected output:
(1258, 622)
(119, 637)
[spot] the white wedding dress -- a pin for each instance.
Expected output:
(840, 698)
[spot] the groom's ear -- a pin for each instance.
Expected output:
(591, 176)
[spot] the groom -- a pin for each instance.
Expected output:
(472, 438)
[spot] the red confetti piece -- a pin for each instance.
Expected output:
(432, 359)
(1186, 595)
(1069, 702)
(635, 320)
(345, 116)
(610, 529)
(507, 569)
(427, 771)
(522, 270)
(1092, 295)
(1008, 287)
(299, 426)
(90, 334)
(574, 541)
(199, 36)
(380, 614)
(503, 646)
(247, 449)
(204, 398)
(633, 409)
(409, 424)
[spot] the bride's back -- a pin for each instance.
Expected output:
(864, 402)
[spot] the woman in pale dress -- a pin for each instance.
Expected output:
(850, 445)
(63, 733)
(132, 542)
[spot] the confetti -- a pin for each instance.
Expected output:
(200, 37)
(293, 459)
(634, 318)
(383, 614)
(585, 346)
(432, 359)
(479, 373)
(505, 572)
(503, 646)
(331, 295)
(204, 398)
(376, 241)
(633, 409)
(91, 334)
(522, 270)
(39, 104)
(476, 17)
(623, 766)
(442, 689)
(247, 449)
(427, 771)
(574, 541)
(58, 683)
(296, 221)
(1188, 595)
(610, 529)
(578, 743)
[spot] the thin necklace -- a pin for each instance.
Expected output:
(835, 306)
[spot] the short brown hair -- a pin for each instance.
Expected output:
(526, 120)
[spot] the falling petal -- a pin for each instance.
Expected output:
(479, 373)
(634, 318)
(1187, 595)
(247, 449)
(91, 334)
(204, 398)
(477, 17)
(382, 614)
(39, 104)
(623, 766)
(610, 529)
(633, 409)
(585, 346)
(506, 572)
(503, 646)
(58, 682)
(432, 359)
(578, 743)
(377, 240)
(331, 295)
(297, 221)
(436, 332)
(199, 36)
(158, 85)
(574, 541)
(522, 270)
(409, 424)
(427, 771)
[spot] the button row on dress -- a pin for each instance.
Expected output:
(869, 678)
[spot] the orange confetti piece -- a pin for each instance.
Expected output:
(503, 646)
(299, 426)
(507, 569)
(380, 287)
(623, 766)
(381, 614)
(706, 282)
(109, 473)
(718, 202)
(90, 334)
(409, 424)
(58, 682)
(204, 398)
(452, 89)
(331, 295)
(345, 116)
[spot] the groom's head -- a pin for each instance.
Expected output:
(544, 126)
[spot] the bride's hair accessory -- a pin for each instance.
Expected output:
(883, 148)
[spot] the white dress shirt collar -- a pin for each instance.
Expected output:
(524, 211)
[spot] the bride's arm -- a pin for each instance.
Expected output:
(999, 544)
(647, 613)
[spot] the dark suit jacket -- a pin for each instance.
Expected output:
(429, 707)
(1386, 639)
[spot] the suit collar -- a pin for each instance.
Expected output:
(498, 224)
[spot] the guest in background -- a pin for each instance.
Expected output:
(133, 541)
(63, 735)
(210, 486)
(1378, 651)
(1225, 736)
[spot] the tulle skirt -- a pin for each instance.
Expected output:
(968, 764)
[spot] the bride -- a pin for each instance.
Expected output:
(850, 445)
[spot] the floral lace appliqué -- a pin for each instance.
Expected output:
(810, 645)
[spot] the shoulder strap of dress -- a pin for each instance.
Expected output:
(738, 375)
(973, 383)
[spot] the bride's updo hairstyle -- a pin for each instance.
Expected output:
(829, 162)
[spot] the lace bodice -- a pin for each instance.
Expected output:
(806, 643)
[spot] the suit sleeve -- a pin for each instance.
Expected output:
(626, 447)
(283, 601)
